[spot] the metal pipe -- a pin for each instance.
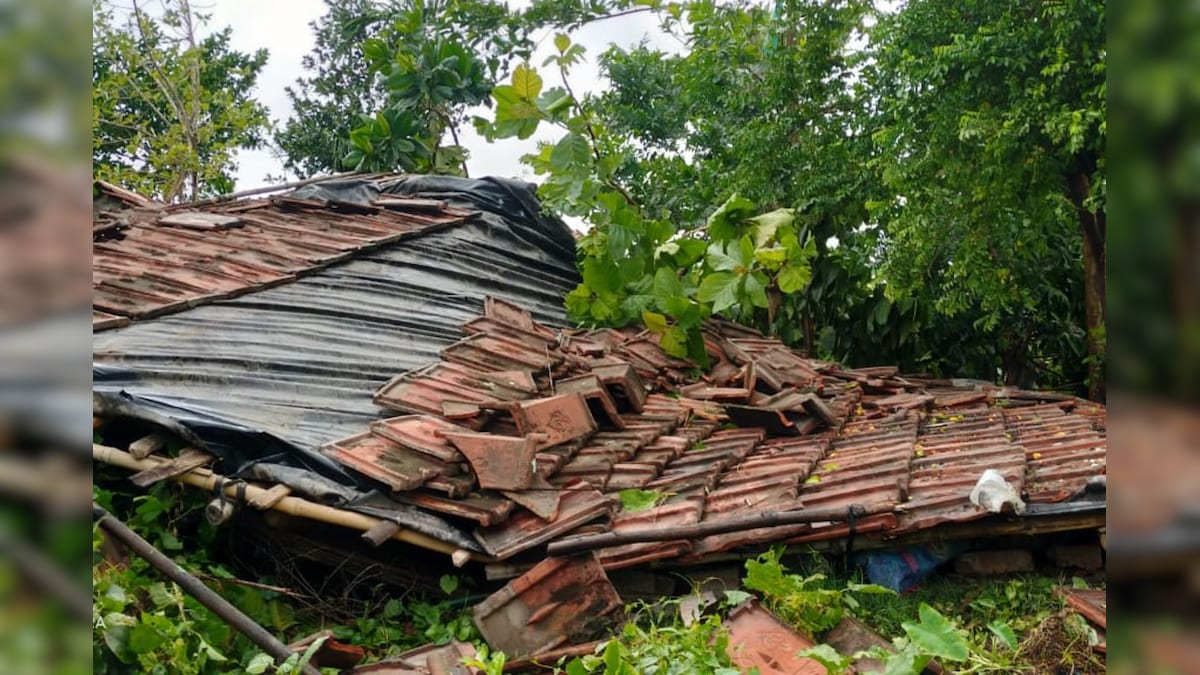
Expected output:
(704, 529)
(196, 588)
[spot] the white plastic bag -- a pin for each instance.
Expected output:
(992, 492)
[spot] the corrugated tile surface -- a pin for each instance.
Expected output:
(162, 261)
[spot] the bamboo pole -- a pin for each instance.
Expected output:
(590, 542)
(206, 479)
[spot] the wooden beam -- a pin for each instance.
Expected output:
(189, 459)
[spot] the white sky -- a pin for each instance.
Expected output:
(282, 28)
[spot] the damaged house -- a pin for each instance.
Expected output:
(389, 355)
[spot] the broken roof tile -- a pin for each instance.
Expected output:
(759, 640)
(665, 516)
(599, 400)
(490, 352)
(485, 509)
(559, 419)
(499, 462)
(392, 464)
(524, 531)
(422, 433)
(623, 383)
(559, 601)
(428, 389)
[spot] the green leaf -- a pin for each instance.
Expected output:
(723, 224)
(169, 542)
(870, 589)
(766, 225)
(572, 152)
(906, 662)
(936, 635)
(1004, 632)
(634, 499)
(655, 322)
(674, 341)
(259, 663)
(561, 42)
(526, 83)
(723, 257)
(720, 289)
(882, 309)
(756, 289)
(735, 597)
(159, 594)
(392, 609)
(449, 583)
(690, 252)
(771, 257)
(669, 248)
(620, 240)
(575, 667)
(612, 657)
(667, 284)
(212, 652)
(144, 638)
(794, 278)
(829, 657)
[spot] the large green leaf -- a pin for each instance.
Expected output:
(655, 322)
(667, 284)
(756, 289)
(720, 289)
(936, 635)
(674, 341)
(526, 83)
(794, 278)
(571, 151)
(722, 257)
(765, 226)
(724, 223)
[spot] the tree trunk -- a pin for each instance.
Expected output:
(1092, 227)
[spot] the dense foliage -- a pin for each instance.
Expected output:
(943, 165)
(169, 109)
(922, 184)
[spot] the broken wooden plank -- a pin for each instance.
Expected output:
(381, 532)
(189, 459)
(148, 445)
(270, 497)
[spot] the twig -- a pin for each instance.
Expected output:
(252, 584)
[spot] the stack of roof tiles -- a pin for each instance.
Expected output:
(532, 434)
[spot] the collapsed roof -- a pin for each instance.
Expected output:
(418, 369)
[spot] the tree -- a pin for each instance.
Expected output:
(329, 103)
(807, 107)
(393, 79)
(170, 110)
(991, 139)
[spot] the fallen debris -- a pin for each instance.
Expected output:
(558, 602)
(758, 639)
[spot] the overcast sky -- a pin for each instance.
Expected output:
(283, 29)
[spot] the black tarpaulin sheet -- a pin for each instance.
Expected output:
(272, 375)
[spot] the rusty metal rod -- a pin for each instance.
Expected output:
(196, 588)
(765, 519)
